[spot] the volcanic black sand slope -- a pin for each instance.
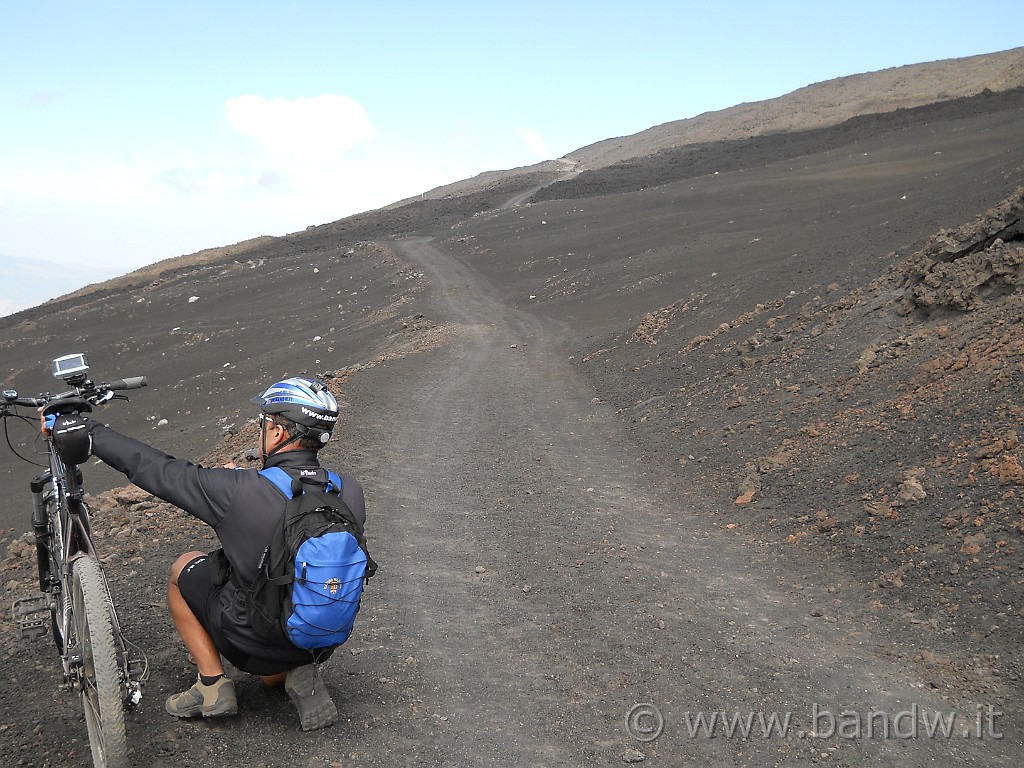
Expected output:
(732, 425)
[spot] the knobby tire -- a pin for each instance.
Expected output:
(101, 688)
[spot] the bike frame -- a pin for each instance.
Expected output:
(60, 521)
(70, 537)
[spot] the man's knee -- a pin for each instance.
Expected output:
(179, 565)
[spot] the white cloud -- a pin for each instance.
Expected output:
(534, 142)
(310, 161)
(327, 126)
(310, 156)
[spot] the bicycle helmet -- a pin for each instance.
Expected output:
(305, 402)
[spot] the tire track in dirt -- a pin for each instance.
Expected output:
(600, 588)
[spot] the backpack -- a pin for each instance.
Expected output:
(310, 578)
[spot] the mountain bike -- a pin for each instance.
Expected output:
(98, 662)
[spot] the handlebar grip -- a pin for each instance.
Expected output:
(30, 402)
(132, 382)
(10, 397)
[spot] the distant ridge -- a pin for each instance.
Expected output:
(815, 106)
(822, 104)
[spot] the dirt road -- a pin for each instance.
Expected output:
(538, 585)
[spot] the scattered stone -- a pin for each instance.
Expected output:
(991, 450)
(1010, 471)
(867, 357)
(744, 498)
(749, 486)
(912, 492)
(824, 522)
(972, 543)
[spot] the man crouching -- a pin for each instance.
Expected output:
(244, 508)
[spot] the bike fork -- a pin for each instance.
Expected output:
(41, 527)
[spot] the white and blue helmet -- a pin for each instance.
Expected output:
(305, 402)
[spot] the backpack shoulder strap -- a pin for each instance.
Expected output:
(281, 480)
(333, 482)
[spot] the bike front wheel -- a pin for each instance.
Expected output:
(99, 677)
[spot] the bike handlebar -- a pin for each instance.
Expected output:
(11, 398)
(89, 391)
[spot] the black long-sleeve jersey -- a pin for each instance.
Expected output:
(241, 506)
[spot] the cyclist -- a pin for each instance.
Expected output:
(297, 416)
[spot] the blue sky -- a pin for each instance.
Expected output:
(136, 131)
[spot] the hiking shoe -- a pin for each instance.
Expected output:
(308, 692)
(217, 700)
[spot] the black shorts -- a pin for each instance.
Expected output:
(200, 585)
(197, 584)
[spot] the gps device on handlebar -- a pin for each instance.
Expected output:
(71, 368)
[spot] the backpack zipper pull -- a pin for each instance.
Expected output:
(303, 579)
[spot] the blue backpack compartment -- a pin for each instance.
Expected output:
(329, 574)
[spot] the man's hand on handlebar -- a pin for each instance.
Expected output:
(63, 407)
